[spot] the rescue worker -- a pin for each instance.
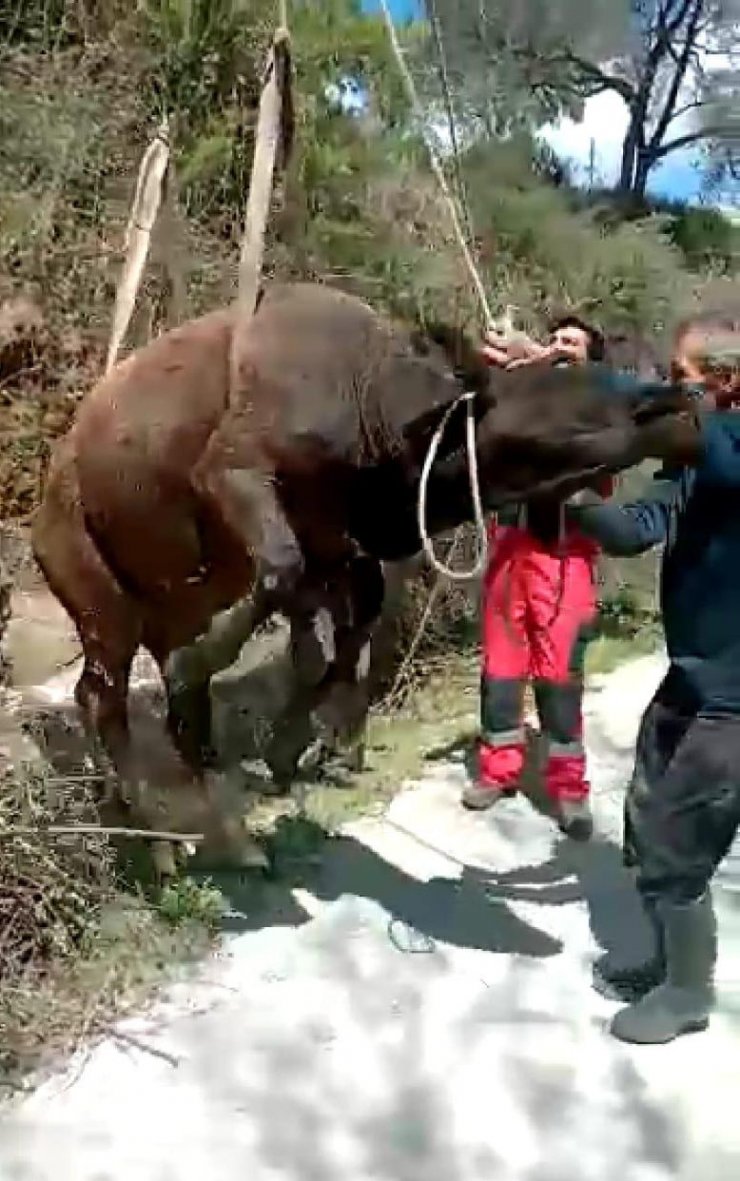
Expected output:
(538, 612)
(682, 808)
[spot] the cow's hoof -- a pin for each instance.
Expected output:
(164, 861)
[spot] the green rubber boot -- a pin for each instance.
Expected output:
(631, 984)
(684, 1002)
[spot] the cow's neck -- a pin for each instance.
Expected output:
(384, 506)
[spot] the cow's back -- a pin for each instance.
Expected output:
(138, 435)
(160, 403)
(322, 363)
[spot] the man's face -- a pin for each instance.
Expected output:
(572, 342)
(691, 364)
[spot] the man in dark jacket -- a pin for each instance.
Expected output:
(683, 804)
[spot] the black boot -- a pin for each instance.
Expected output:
(575, 819)
(684, 1002)
(631, 984)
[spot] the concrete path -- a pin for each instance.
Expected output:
(422, 1013)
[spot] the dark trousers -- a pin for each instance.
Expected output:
(682, 809)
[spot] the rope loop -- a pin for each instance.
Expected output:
(475, 494)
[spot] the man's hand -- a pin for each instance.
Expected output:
(584, 498)
(596, 490)
(551, 353)
(507, 351)
(512, 352)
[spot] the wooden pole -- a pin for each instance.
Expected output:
(171, 248)
(144, 209)
(274, 131)
(274, 140)
(96, 830)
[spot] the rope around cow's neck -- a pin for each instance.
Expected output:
(478, 515)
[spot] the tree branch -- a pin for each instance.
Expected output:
(529, 54)
(696, 104)
(602, 78)
(671, 24)
(96, 830)
(685, 141)
(679, 74)
(589, 70)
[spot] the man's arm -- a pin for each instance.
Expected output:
(626, 529)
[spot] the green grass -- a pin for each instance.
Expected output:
(607, 652)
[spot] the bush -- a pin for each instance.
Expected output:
(52, 888)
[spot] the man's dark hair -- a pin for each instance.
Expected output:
(596, 341)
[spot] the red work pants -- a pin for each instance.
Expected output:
(539, 607)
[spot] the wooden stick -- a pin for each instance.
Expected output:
(275, 118)
(172, 249)
(136, 1043)
(97, 830)
(144, 210)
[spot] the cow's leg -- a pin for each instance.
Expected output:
(101, 694)
(106, 619)
(187, 673)
(348, 694)
(312, 652)
(252, 509)
(330, 652)
(347, 703)
(249, 504)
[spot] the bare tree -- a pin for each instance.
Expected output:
(675, 94)
(673, 62)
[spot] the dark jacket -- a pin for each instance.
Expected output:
(695, 512)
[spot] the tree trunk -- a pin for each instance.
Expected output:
(643, 166)
(629, 155)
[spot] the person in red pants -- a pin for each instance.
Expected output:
(539, 608)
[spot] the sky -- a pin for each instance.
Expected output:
(604, 122)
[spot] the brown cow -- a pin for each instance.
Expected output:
(173, 498)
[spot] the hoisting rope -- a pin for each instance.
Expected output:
(467, 398)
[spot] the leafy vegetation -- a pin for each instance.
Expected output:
(74, 946)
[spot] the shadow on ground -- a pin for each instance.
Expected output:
(470, 910)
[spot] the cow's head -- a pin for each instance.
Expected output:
(549, 430)
(543, 428)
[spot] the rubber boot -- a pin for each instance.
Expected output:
(575, 819)
(684, 1002)
(480, 796)
(631, 984)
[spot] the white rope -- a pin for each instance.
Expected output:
(437, 166)
(479, 520)
(478, 515)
